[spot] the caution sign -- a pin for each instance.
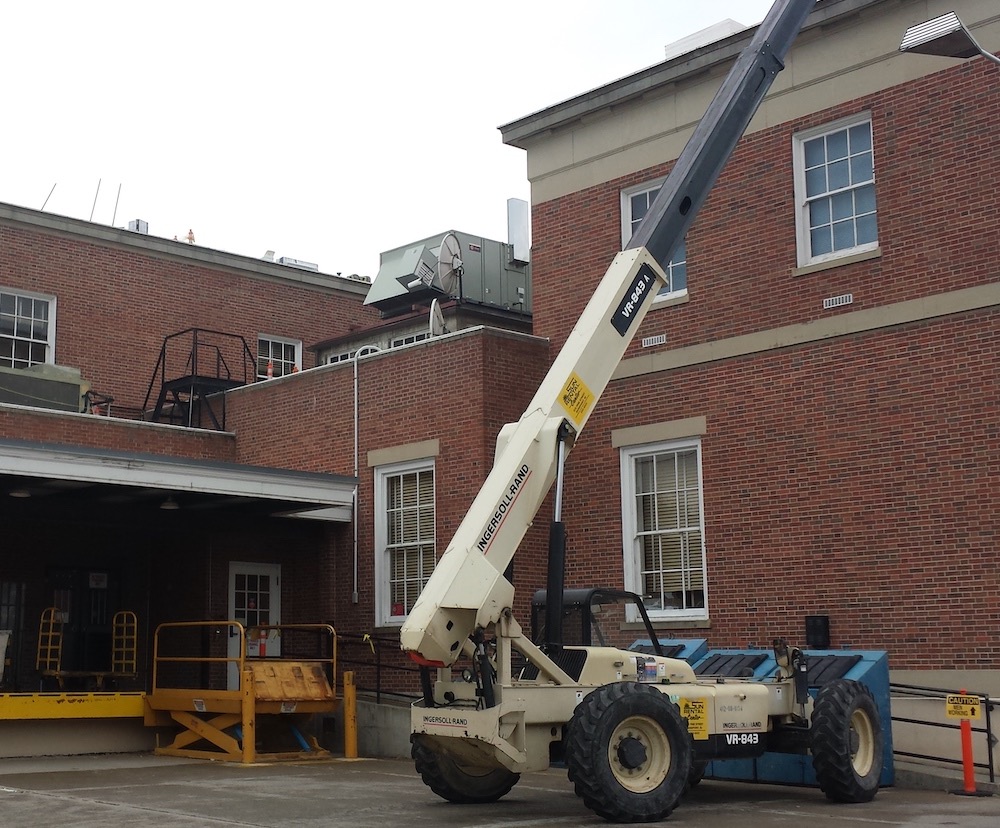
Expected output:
(576, 398)
(962, 707)
(696, 713)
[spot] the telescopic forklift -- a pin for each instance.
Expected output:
(634, 729)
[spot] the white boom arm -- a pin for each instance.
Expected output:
(467, 588)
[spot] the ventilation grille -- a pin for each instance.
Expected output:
(650, 341)
(838, 301)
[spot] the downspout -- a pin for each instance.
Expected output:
(364, 350)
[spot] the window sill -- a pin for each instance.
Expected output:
(678, 297)
(680, 624)
(853, 258)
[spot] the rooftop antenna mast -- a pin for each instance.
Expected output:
(92, 206)
(49, 195)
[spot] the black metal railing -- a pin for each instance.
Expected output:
(987, 704)
(379, 666)
(194, 363)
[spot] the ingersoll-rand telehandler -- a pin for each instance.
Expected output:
(634, 730)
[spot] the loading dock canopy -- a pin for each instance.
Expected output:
(36, 476)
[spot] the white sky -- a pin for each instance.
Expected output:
(325, 131)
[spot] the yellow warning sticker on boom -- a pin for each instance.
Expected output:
(576, 398)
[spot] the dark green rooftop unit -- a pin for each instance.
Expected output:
(454, 265)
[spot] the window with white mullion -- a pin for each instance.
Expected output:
(277, 356)
(835, 190)
(27, 328)
(662, 523)
(635, 203)
(405, 537)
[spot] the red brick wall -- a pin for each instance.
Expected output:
(936, 178)
(854, 476)
(121, 435)
(458, 390)
(116, 304)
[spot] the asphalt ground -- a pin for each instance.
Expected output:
(142, 791)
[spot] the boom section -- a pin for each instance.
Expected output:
(720, 128)
(467, 589)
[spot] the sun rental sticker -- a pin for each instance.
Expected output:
(576, 398)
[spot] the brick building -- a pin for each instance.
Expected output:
(170, 446)
(806, 423)
(804, 427)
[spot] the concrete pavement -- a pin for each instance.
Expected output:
(144, 791)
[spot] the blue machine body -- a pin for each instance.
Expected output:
(870, 667)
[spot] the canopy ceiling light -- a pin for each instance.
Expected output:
(944, 36)
(170, 504)
(19, 493)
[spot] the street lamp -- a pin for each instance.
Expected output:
(945, 36)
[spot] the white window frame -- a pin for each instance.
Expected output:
(630, 532)
(278, 340)
(384, 615)
(50, 342)
(802, 201)
(652, 187)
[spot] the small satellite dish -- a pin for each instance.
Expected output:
(437, 326)
(449, 265)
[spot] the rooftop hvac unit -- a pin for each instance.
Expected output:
(139, 226)
(288, 261)
(459, 265)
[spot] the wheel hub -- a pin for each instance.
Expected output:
(631, 753)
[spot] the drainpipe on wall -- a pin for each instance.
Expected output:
(364, 350)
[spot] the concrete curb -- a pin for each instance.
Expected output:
(913, 776)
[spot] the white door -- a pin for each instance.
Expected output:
(254, 600)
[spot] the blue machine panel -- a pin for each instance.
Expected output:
(687, 649)
(870, 667)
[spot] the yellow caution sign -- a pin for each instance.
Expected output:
(696, 713)
(576, 398)
(962, 707)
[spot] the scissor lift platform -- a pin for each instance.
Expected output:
(274, 697)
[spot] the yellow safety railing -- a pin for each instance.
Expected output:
(216, 707)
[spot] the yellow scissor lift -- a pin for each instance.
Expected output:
(224, 704)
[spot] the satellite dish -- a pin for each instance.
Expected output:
(449, 265)
(437, 325)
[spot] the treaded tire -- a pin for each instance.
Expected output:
(696, 774)
(846, 741)
(628, 752)
(456, 783)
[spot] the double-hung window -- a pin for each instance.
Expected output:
(27, 328)
(663, 529)
(404, 537)
(635, 205)
(835, 190)
(277, 356)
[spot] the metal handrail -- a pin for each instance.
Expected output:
(159, 659)
(242, 657)
(372, 649)
(987, 702)
(191, 365)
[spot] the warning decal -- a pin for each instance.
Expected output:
(961, 707)
(696, 713)
(576, 398)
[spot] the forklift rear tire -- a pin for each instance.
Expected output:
(461, 784)
(846, 738)
(628, 752)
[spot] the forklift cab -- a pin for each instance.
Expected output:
(587, 613)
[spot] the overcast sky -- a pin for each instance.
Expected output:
(325, 131)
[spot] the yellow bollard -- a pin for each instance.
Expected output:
(350, 717)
